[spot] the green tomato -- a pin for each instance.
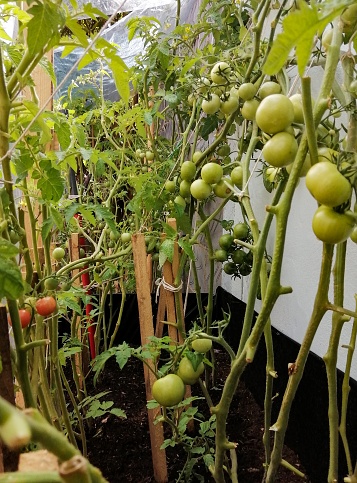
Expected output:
(201, 345)
(238, 256)
(200, 190)
(221, 255)
(185, 188)
(296, 99)
(224, 150)
(230, 268)
(226, 242)
(212, 173)
(170, 186)
(168, 390)
(125, 237)
(237, 176)
(327, 185)
(280, 150)
(332, 227)
(220, 73)
(149, 155)
(211, 105)
(221, 190)
(58, 253)
(304, 169)
(196, 156)
(51, 283)
(275, 113)
(179, 200)
(230, 105)
(241, 231)
(269, 88)
(249, 109)
(187, 373)
(353, 235)
(247, 91)
(188, 170)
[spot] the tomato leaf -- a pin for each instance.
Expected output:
(187, 248)
(44, 25)
(299, 30)
(123, 354)
(118, 412)
(51, 185)
(7, 249)
(195, 358)
(166, 252)
(11, 284)
(170, 232)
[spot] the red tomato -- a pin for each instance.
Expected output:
(25, 318)
(46, 306)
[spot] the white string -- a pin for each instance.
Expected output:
(161, 282)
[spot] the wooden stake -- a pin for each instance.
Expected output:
(9, 460)
(146, 331)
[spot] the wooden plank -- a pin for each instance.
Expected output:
(146, 331)
(9, 460)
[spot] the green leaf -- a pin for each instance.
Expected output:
(22, 164)
(148, 118)
(47, 66)
(209, 124)
(121, 77)
(170, 232)
(57, 218)
(195, 358)
(11, 284)
(123, 354)
(77, 31)
(44, 25)
(102, 213)
(99, 362)
(33, 108)
(70, 211)
(51, 185)
(299, 29)
(63, 132)
(87, 215)
(187, 248)
(7, 249)
(118, 412)
(188, 66)
(166, 251)
(46, 228)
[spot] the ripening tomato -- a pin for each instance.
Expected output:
(327, 185)
(51, 283)
(46, 306)
(187, 372)
(201, 345)
(25, 318)
(221, 190)
(332, 227)
(275, 113)
(280, 150)
(168, 390)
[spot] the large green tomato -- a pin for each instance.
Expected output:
(230, 105)
(249, 109)
(212, 173)
(187, 373)
(275, 113)
(247, 91)
(201, 345)
(280, 150)
(241, 231)
(221, 190)
(168, 390)
(296, 99)
(304, 169)
(237, 176)
(332, 227)
(269, 88)
(188, 170)
(220, 73)
(200, 190)
(212, 105)
(327, 185)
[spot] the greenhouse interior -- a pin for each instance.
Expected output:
(178, 214)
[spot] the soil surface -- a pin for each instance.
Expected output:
(121, 447)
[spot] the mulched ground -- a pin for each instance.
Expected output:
(121, 447)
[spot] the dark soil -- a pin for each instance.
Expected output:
(121, 447)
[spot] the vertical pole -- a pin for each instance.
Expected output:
(146, 331)
(9, 460)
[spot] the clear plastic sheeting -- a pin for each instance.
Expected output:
(110, 6)
(117, 34)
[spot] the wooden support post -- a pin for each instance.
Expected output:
(146, 331)
(9, 460)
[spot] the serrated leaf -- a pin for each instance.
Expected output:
(102, 213)
(118, 412)
(187, 66)
(195, 358)
(87, 215)
(209, 124)
(46, 228)
(43, 26)
(148, 119)
(57, 218)
(11, 284)
(22, 164)
(299, 29)
(70, 211)
(7, 249)
(33, 108)
(63, 132)
(121, 77)
(152, 404)
(51, 185)
(77, 31)
(171, 98)
(166, 251)
(87, 58)
(47, 66)
(123, 354)
(169, 230)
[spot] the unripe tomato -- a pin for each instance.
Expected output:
(296, 99)
(349, 18)
(224, 150)
(200, 190)
(170, 186)
(237, 176)
(212, 173)
(201, 345)
(249, 109)
(185, 188)
(247, 91)
(188, 170)
(196, 156)
(168, 390)
(179, 200)
(327, 185)
(238, 256)
(46, 306)
(230, 105)
(220, 73)
(326, 154)
(212, 105)
(230, 268)
(304, 169)
(221, 190)
(221, 255)
(125, 237)
(332, 227)
(25, 318)
(353, 235)
(275, 113)
(280, 150)
(241, 231)
(58, 253)
(51, 283)
(187, 373)
(269, 88)
(149, 155)
(226, 242)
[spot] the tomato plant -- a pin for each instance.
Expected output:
(332, 227)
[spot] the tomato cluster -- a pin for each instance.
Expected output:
(238, 261)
